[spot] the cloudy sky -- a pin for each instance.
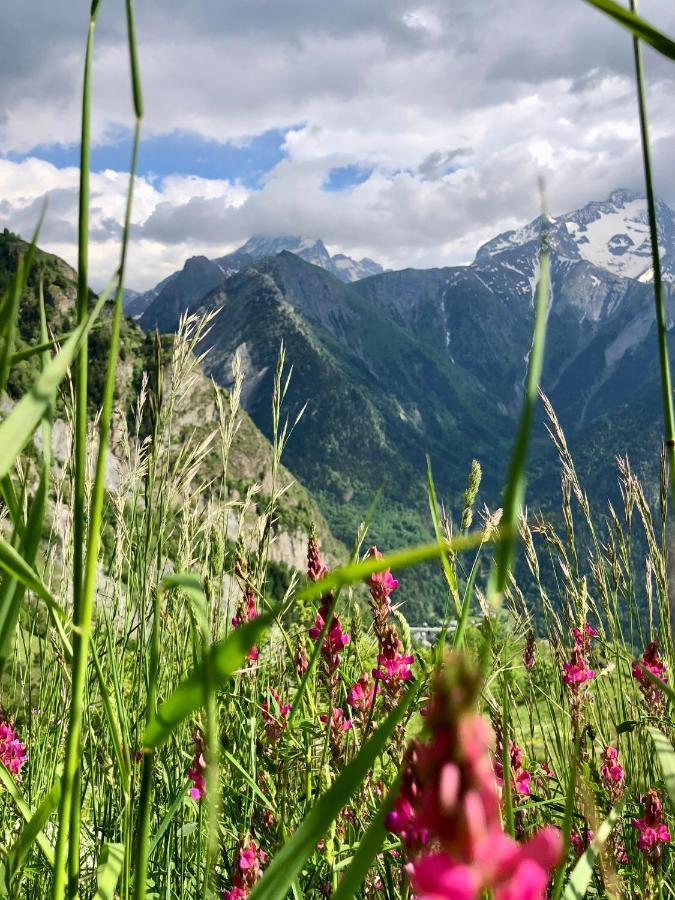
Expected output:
(406, 131)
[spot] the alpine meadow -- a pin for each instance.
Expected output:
(324, 573)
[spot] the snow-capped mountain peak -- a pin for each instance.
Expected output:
(611, 234)
(314, 251)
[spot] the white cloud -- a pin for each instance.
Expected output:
(456, 108)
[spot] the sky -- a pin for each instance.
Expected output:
(409, 132)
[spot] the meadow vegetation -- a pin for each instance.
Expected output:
(184, 718)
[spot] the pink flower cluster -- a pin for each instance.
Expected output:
(197, 771)
(530, 652)
(580, 840)
(275, 718)
(520, 777)
(393, 664)
(246, 612)
(576, 672)
(448, 807)
(653, 831)
(335, 639)
(612, 774)
(653, 698)
(361, 695)
(339, 723)
(12, 751)
(248, 869)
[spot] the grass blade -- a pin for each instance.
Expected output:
(108, 872)
(17, 429)
(288, 862)
(226, 657)
(10, 785)
(638, 26)
(32, 831)
(514, 492)
(582, 873)
(666, 758)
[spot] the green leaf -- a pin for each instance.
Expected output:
(110, 863)
(666, 757)
(288, 862)
(581, 874)
(226, 657)
(32, 831)
(638, 26)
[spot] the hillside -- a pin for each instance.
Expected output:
(249, 461)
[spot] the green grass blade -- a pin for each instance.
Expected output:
(567, 822)
(166, 821)
(581, 874)
(9, 318)
(226, 657)
(514, 492)
(32, 831)
(659, 300)
(666, 758)
(13, 563)
(17, 429)
(108, 871)
(638, 26)
(9, 784)
(369, 846)
(288, 862)
(448, 571)
(399, 559)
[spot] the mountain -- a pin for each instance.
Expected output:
(163, 305)
(402, 364)
(312, 251)
(250, 455)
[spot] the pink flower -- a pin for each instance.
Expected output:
(316, 570)
(393, 669)
(530, 652)
(338, 722)
(612, 774)
(513, 871)
(576, 672)
(582, 636)
(12, 751)
(335, 639)
(452, 794)
(275, 720)
(361, 695)
(653, 698)
(197, 770)
(580, 840)
(523, 779)
(520, 777)
(248, 869)
(246, 612)
(653, 830)
(381, 584)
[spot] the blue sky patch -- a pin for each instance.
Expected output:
(346, 177)
(178, 153)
